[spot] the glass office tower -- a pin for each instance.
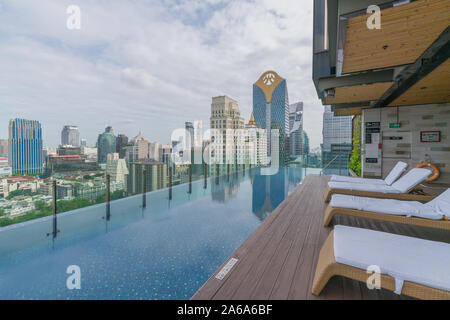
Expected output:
(271, 110)
(25, 146)
(337, 142)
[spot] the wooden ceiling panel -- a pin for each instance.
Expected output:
(365, 92)
(406, 32)
(434, 88)
(349, 111)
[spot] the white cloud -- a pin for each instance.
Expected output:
(149, 65)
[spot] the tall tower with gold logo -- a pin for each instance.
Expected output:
(271, 110)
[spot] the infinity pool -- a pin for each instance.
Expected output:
(165, 251)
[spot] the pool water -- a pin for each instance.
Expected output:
(164, 251)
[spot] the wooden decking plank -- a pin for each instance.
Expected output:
(259, 252)
(278, 260)
(285, 250)
(209, 289)
(287, 272)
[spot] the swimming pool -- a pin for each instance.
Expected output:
(164, 251)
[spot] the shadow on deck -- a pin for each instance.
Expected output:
(278, 260)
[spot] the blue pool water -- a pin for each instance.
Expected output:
(165, 251)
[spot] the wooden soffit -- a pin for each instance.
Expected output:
(365, 92)
(434, 88)
(406, 32)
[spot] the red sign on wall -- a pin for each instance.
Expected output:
(430, 136)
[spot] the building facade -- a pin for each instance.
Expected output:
(116, 168)
(106, 144)
(25, 146)
(296, 129)
(70, 135)
(137, 149)
(337, 142)
(156, 176)
(121, 145)
(4, 148)
(271, 111)
(227, 134)
(256, 144)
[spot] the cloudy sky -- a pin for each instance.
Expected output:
(148, 65)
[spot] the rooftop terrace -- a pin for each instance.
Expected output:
(278, 260)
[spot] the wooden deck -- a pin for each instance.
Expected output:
(279, 258)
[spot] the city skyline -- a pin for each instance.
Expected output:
(78, 77)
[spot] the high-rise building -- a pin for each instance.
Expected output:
(83, 143)
(5, 168)
(189, 126)
(256, 144)
(116, 168)
(271, 110)
(4, 148)
(156, 176)
(337, 142)
(121, 145)
(70, 135)
(296, 129)
(106, 144)
(25, 146)
(227, 145)
(198, 134)
(154, 151)
(137, 149)
(305, 143)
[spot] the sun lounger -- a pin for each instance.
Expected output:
(395, 173)
(398, 190)
(431, 214)
(414, 267)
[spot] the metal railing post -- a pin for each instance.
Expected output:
(217, 173)
(108, 197)
(190, 178)
(205, 175)
(144, 188)
(170, 183)
(55, 226)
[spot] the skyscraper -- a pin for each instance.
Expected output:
(106, 143)
(121, 144)
(25, 146)
(70, 135)
(189, 126)
(138, 148)
(337, 142)
(305, 143)
(296, 129)
(271, 110)
(4, 148)
(225, 120)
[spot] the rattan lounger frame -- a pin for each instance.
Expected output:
(330, 212)
(327, 267)
(399, 196)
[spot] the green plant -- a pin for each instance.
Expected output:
(355, 158)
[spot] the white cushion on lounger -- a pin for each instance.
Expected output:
(404, 258)
(386, 206)
(403, 185)
(441, 204)
(362, 187)
(357, 180)
(396, 172)
(411, 179)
